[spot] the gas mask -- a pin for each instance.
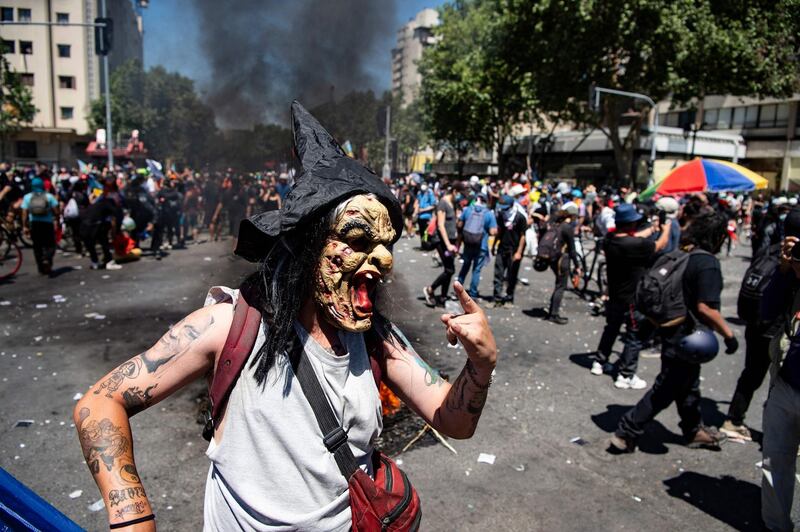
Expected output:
(353, 262)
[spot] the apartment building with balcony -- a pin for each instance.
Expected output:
(412, 39)
(59, 65)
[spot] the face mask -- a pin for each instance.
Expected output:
(354, 261)
(423, 187)
(782, 217)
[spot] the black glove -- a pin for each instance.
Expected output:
(731, 345)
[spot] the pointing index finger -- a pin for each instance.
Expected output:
(467, 303)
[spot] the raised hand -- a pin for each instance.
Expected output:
(472, 329)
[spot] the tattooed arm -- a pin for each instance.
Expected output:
(185, 353)
(452, 409)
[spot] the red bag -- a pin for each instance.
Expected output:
(388, 502)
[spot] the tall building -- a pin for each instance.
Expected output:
(59, 64)
(412, 38)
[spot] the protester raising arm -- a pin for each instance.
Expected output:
(102, 416)
(451, 408)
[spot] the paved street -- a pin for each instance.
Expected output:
(542, 398)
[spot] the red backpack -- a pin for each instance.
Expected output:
(389, 502)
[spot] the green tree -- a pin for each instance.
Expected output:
(17, 107)
(473, 92)
(662, 48)
(175, 124)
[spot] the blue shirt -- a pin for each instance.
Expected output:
(489, 223)
(426, 199)
(51, 200)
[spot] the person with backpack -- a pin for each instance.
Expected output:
(477, 223)
(446, 239)
(294, 358)
(40, 213)
(557, 250)
(424, 207)
(758, 332)
(628, 255)
(691, 288)
(509, 245)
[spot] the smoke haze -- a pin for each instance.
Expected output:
(264, 53)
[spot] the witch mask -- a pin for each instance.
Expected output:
(353, 262)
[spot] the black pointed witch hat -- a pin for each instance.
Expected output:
(328, 177)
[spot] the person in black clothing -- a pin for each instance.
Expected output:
(235, 202)
(102, 217)
(509, 245)
(757, 337)
(447, 232)
(141, 206)
(170, 203)
(770, 229)
(628, 255)
(561, 267)
(210, 200)
(679, 379)
(74, 219)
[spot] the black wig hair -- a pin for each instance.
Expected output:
(283, 282)
(706, 231)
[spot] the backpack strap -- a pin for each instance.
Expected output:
(238, 346)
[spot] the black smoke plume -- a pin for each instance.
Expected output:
(264, 53)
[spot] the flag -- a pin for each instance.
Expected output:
(348, 148)
(155, 168)
(83, 167)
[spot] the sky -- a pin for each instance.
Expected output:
(171, 39)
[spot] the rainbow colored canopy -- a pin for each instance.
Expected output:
(705, 175)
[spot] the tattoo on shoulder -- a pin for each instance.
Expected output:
(126, 370)
(173, 344)
(137, 399)
(102, 443)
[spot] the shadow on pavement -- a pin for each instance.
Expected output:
(57, 272)
(652, 441)
(734, 502)
(583, 360)
(537, 313)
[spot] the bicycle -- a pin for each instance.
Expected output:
(593, 265)
(10, 252)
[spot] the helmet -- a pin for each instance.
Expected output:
(699, 347)
(128, 224)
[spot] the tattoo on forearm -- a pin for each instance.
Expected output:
(174, 344)
(431, 375)
(135, 508)
(102, 442)
(129, 474)
(136, 399)
(126, 370)
(472, 400)
(117, 496)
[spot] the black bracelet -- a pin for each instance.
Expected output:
(132, 522)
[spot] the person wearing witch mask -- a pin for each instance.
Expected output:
(321, 258)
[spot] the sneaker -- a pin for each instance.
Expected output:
(635, 383)
(96, 266)
(707, 438)
(621, 445)
(736, 432)
(623, 383)
(558, 320)
(597, 368)
(428, 293)
(113, 266)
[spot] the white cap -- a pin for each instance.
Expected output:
(474, 180)
(668, 204)
(516, 190)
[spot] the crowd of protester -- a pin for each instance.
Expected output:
(131, 213)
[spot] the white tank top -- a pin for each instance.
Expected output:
(271, 471)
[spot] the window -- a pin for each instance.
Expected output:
(9, 47)
(738, 117)
(724, 120)
(67, 113)
(26, 79)
(62, 18)
(64, 50)
(25, 47)
(751, 116)
(767, 118)
(710, 117)
(66, 82)
(782, 115)
(24, 14)
(26, 149)
(7, 14)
